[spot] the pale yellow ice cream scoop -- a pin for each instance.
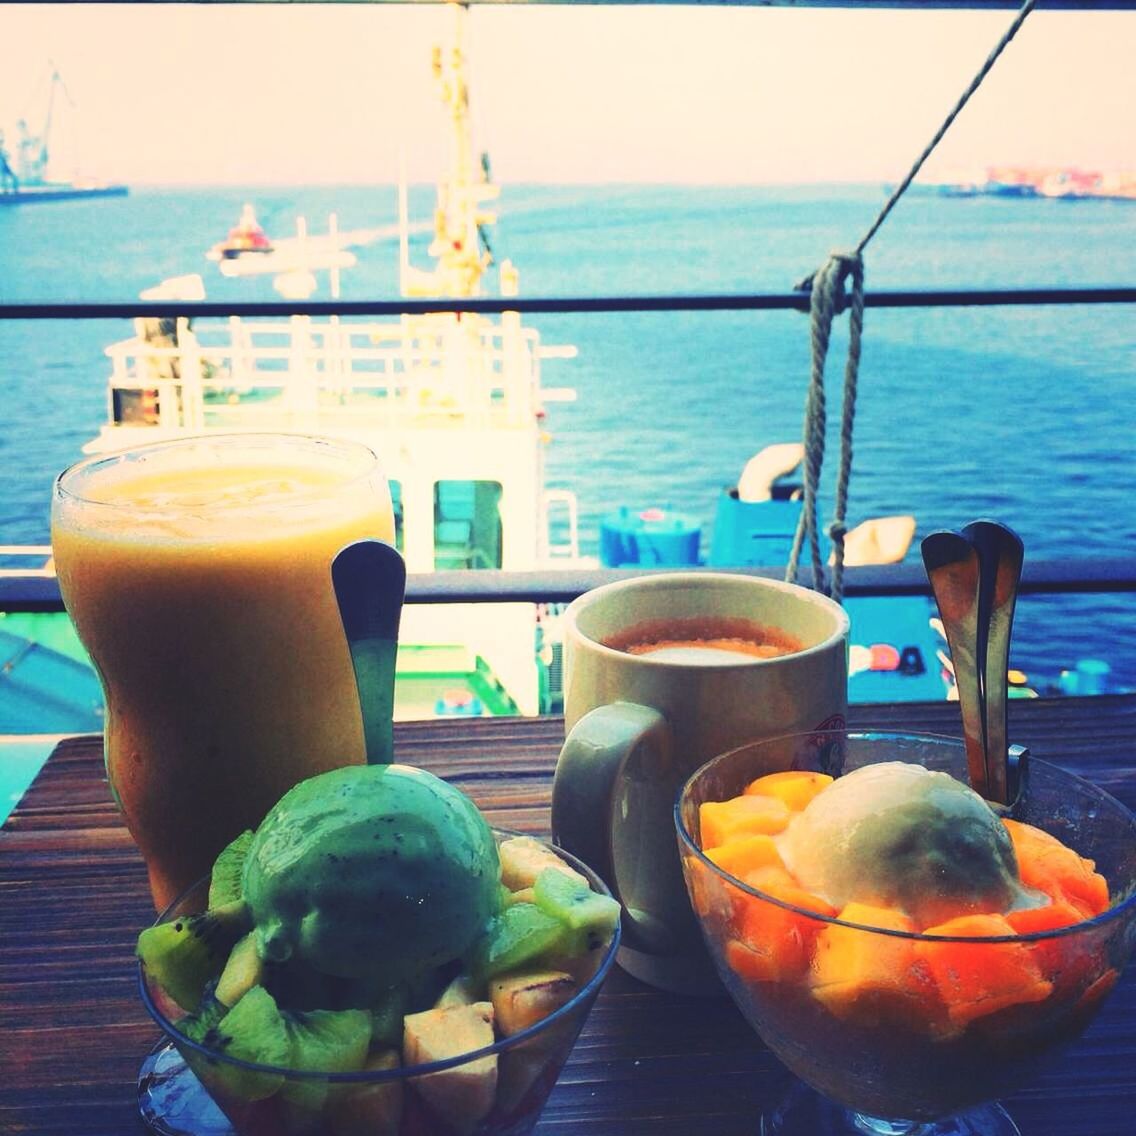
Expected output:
(901, 836)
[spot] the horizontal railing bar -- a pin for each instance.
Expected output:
(755, 301)
(40, 594)
(973, 5)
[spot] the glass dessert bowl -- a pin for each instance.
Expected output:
(443, 1002)
(908, 957)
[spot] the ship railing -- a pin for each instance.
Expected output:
(39, 591)
(26, 560)
(1079, 577)
(462, 366)
(560, 518)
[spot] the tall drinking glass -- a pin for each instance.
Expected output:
(198, 576)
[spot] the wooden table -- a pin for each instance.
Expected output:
(73, 897)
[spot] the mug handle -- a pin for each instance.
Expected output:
(588, 771)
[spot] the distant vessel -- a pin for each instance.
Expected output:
(246, 238)
(24, 177)
(1067, 182)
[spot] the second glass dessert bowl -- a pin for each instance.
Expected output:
(895, 1030)
(190, 1085)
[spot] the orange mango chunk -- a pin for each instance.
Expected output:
(868, 977)
(1048, 865)
(1048, 917)
(1064, 960)
(796, 787)
(975, 979)
(722, 821)
(745, 854)
(772, 943)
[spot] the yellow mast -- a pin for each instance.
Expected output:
(458, 247)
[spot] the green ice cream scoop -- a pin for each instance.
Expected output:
(371, 870)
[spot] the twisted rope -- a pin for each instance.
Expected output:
(827, 299)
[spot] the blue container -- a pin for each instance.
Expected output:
(753, 534)
(652, 538)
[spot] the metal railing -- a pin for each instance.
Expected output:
(36, 592)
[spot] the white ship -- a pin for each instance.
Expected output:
(452, 402)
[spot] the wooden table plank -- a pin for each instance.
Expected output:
(73, 895)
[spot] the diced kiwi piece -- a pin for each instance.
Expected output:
(225, 882)
(573, 902)
(253, 1030)
(518, 934)
(322, 1041)
(185, 953)
(329, 1041)
(243, 970)
(196, 1025)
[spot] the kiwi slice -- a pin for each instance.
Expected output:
(225, 882)
(321, 1041)
(518, 934)
(253, 1030)
(196, 1025)
(185, 953)
(243, 970)
(573, 902)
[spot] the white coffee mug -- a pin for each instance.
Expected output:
(639, 724)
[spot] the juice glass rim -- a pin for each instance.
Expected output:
(64, 492)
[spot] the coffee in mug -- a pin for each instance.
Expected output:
(703, 640)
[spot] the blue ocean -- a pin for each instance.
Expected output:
(1022, 414)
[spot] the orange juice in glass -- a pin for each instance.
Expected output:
(198, 575)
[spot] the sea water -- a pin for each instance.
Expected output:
(1023, 414)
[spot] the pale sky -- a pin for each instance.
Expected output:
(307, 94)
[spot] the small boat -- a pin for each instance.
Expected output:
(246, 238)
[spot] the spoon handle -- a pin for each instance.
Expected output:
(954, 570)
(1001, 553)
(369, 578)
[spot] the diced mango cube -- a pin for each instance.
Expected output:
(1064, 960)
(745, 854)
(721, 821)
(796, 787)
(870, 977)
(976, 978)
(1048, 865)
(773, 943)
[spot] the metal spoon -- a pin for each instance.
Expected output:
(369, 578)
(954, 569)
(1000, 553)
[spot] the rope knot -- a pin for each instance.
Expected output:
(827, 300)
(836, 531)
